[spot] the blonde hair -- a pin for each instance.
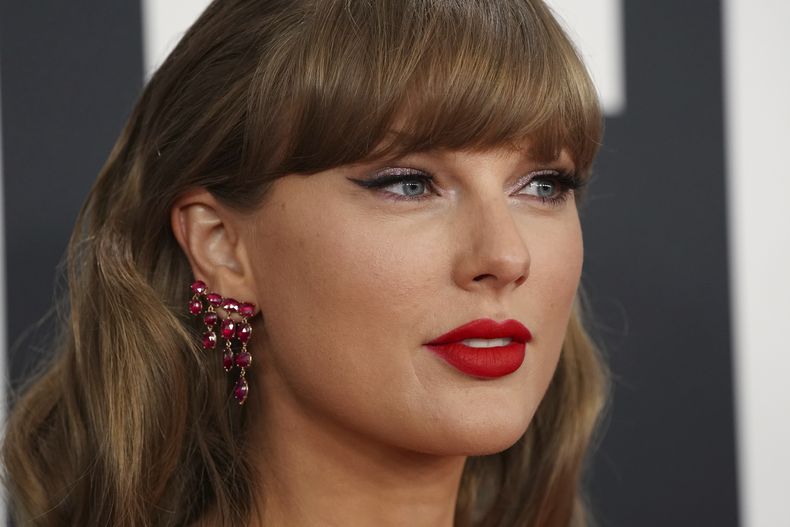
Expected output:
(130, 423)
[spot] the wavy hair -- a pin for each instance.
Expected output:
(128, 424)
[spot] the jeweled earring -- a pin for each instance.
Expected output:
(234, 326)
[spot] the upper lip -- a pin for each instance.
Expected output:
(485, 328)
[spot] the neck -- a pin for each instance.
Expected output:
(315, 472)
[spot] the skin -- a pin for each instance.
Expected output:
(352, 414)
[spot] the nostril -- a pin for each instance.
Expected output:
(520, 280)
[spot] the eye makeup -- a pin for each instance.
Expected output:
(548, 186)
(402, 176)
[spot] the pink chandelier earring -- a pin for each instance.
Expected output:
(234, 329)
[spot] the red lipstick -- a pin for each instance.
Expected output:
(488, 362)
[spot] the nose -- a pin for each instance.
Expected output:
(494, 253)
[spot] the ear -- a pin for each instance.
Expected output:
(209, 234)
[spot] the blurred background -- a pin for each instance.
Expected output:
(687, 226)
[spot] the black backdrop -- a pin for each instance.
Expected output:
(656, 270)
(655, 230)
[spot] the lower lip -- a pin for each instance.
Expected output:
(482, 362)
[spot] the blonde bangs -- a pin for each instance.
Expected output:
(360, 83)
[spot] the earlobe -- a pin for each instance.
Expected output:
(208, 234)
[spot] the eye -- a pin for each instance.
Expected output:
(543, 188)
(550, 186)
(400, 183)
(410, 186)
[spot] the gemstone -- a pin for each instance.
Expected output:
(198, 287)
(244, 359)
(230, 305)
(227, 360)
(241, 390)
(247, 309)
(214, 299)
(195, 306)
(209, 340)
(210, 318)
(243, 332)
(228, 328)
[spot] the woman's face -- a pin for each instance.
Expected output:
(354, 280)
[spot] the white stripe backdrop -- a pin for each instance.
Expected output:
(164, 23)
(756, 44)
(596, 27)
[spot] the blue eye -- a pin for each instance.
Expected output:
(543, 188)
(407, 184)
(551, 186)
(410, 187)
(400, 183)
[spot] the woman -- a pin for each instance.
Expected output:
(389, 189)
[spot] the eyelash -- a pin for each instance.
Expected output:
(568, 182)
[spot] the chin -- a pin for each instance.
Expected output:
(470, 436)
(493, 445)
(489, 441)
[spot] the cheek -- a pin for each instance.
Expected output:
(556, 263)
(353, 277)
(547, 297)
(339, 296)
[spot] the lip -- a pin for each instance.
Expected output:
(493, 362)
